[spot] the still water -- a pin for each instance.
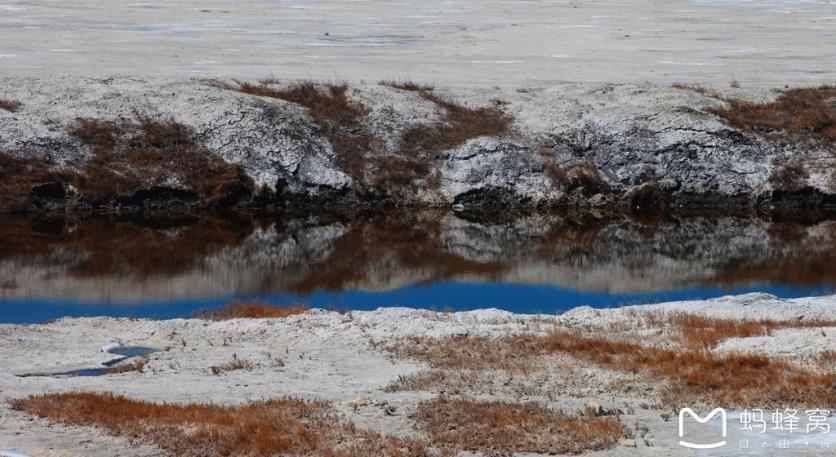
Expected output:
(174, 266)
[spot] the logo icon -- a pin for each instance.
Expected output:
(702, 420)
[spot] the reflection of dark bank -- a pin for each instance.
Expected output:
(174, 266)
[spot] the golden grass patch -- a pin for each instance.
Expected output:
(266, 428)
(251, 310)
(809, 111)
(693, 373)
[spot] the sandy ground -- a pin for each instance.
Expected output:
(505, 42)
(334, 357)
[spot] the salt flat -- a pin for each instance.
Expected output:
(454, 42)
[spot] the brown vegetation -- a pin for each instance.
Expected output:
(695, 331)
(11, 106)
(339, 118)
(497, 428)
(295, 427)
(462, 124)
(136, 163)
(251, 310)
(809, 111)
(421, 145)
(693, 372)
(19, 176)
(137, 365)
(151, 163)
(360, 153)
(266, 428)
(407, 85)
(580, 175)
(791, 177)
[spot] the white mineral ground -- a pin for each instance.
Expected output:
(455, 42)
(330, 356)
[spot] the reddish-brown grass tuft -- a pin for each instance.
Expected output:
(131, 161)
(17, 177)
(497, 428)
(265, 428)
(462, 124)
(251, 310)
(809, 111)
(149, 163)
(11, 106)
(701, 332)
(100, 135)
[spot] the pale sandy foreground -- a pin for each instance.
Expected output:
(336, 357)
(464, 42)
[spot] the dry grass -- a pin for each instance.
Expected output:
(462, 124)
(251, 310)
(693, 372)
(701, 332)
(496, 428)
(266, 428)
(296, 427)
(19, 176)
(132, 166)
(100, 135)
(421, 145)
(132, 162)
(791, 177)
(796, 112)
(137, 365)
(359, 151)
(406, 85)
(339, 118)
(233, 365)
(11, 106)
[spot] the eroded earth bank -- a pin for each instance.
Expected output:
(136, 143)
